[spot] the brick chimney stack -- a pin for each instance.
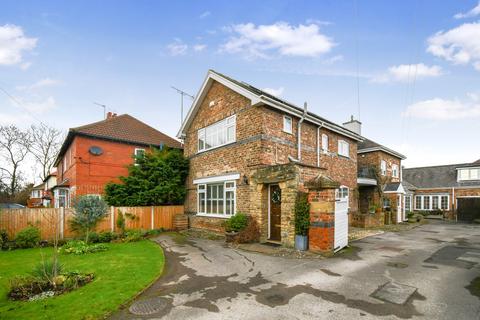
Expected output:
(111, 115)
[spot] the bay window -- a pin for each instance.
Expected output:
(216, 198)
(217, 134)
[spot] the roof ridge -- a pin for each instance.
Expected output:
(440, 165)
(99, 122)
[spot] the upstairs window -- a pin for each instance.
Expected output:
(343, 148)
(139, 153)
(395, 171)
(217, 134)
(287, 124)
(324, 142)
(383, 167)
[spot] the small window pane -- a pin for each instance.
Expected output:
(418, 202)
(434, 202)
(426, 203)
(287, 124)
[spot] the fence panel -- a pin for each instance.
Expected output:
(48, 219)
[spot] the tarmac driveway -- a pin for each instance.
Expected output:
(423, 273)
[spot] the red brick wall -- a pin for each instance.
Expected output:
(87, 173)
(375, 157)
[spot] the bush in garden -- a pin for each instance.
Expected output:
(106, 236)
(3, 239)
(89, 210)
(251, 233)
(157, 178)
(302, 214)
(79, 247)
(47, 270)
(133, 236)
(236, 223)
(121, 222)
(28, 237)
(93, 237)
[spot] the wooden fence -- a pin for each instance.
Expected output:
(50, 219)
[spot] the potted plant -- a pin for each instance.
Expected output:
(302, 222)
(372, 208)
(234, 225)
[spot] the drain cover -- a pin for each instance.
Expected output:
(148, 306)
(394, 292)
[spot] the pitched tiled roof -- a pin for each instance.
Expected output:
(368, 145)
(444, 176)
(123, 128)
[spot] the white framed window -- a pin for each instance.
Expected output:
(324, 142)
(217, 199)
(62, 197)
(217, 134)
(432, 202)
(395, 171)
(469, 174)
(386, 203)
(287, 124)
(139, 153)
(343, 148)
(341, 193)
(383, 167)
(408, 203)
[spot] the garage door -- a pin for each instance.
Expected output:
(468, 209)
(341, 219)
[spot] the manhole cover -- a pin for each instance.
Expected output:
(275, 298)
(148, 306)
(394, 292)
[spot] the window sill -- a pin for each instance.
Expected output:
(206, 215)
(290, 133)
(216, 147)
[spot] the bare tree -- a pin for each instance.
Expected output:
(14, 147)
(45, 145)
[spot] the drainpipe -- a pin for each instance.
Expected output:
(299, 133)
(454, 207)
(318, 144)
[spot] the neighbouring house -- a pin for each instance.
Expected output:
(380, 186)
(36, 196)
(252, 152)
(95, 154)
(451, 189)
(50, 182)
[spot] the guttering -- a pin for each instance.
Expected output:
(310, 118)
(384, 149)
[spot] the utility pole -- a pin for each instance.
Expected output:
(104, 109)
(182, 94)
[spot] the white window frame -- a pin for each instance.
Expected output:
(469, 173)
(383, 167)
(202, 189)
(343, 148)
(409, 207)
(222, 126)
(285, 122)
(430, 202)
(57, 197)
(395, 170)
(136, 155)
(342, 193)
(325, 143)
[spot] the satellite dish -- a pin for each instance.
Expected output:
(96, 151)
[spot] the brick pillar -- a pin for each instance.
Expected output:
(322, 220)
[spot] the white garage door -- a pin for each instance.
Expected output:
(341, 219)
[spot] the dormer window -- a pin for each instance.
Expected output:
(468, 174)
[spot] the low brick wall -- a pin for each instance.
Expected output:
(368, 220)
(216, 225)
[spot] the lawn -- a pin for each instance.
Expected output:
(120, 272)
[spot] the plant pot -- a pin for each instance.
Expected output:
(231, 236)
(301, 242)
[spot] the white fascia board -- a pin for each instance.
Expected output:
(367, 181)
(391, 152)
(472, 167)
(227, 177)
(211, 76)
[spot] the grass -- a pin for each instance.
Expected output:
(120, 272)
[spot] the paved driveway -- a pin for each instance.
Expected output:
(422, 273)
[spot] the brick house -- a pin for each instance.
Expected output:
(252, 152)
(42, 194)
(36, 196)
(379, 180)
(95, 154)
(453, 189)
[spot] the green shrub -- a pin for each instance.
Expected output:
(121, 222)
(3, 239)
(93, 237)
(89, 210)
(106, 236)
(302, 214)
(133, 236)
(236, 223)
(154, 232)
(28, 237)
(410, 214)
(79, 247)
